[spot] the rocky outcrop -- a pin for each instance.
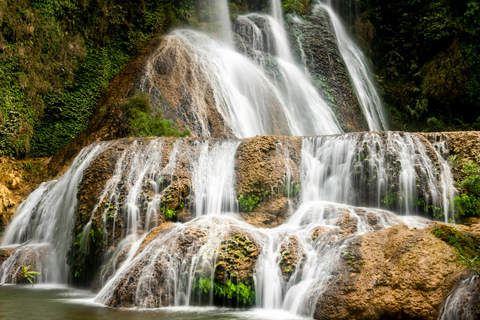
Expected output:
(18, 178)
(208, 258)
(392, 274)
(268, 177)
(314, 44)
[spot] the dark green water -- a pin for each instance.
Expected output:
(40, 302)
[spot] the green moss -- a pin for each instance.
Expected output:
(248, 203)
(466, 245)
(144, 124)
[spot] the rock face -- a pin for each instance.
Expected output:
(18, 178)
(313, 41)
(180, 86)
(268, 174)
(392, 274)
(199, 260)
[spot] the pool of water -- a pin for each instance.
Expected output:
(57, 302)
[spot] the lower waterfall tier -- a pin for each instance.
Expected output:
(284, 223)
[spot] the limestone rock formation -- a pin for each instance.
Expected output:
(391, 274)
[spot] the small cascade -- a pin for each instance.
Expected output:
(360, 74)
(41, 230)
(221, 21)
(212, 179)
(460, 304)
(394, 171)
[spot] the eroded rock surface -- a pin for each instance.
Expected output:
(391, 274)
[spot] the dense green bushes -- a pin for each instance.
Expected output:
(58, 56)
(468, 203)
(426, 55)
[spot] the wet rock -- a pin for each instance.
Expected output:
(314, 40)
(293, 257)
(212, 253)
(7, 205)
(396, 273)
(268, 169)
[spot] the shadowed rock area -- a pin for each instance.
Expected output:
(313, 43)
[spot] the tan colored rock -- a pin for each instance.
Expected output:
(11, 180)
(263, 163)
(393, 274)
(7, 205)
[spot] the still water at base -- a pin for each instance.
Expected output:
(60, 302)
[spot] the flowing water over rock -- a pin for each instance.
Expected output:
(359, 71)
(261, 91)
(131, 188)
(164, 222)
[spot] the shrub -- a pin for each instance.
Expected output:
(143, 124)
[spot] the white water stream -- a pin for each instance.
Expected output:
(337, 172)
(359, 72)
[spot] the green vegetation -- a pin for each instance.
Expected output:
(299, 6)
(466, 246)
(389, 199)
(26, 273)
(57, 58)
(248, 203)
(427, 59)
(468, 203)
(144, 124)
(169, 213)
(241, 292)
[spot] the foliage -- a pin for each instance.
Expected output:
(57, 57)
(300, 6)
(248, 203)
(143, 124)
(169, 213)
(25, 273)
(466, 246)
(241, 292)
(427, 60)
(468, 203)
(389, 199)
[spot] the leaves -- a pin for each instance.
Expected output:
(28, 274)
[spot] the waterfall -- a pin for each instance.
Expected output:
(360, 74)
(221, 20)
(394, 172)
(160, 216)
(458, 304)
(213, 177)
(41, 230)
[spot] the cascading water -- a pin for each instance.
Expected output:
(264, 94)
(42, 228)
(359, 71)
(215, 258)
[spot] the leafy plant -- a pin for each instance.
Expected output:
(25, 273)
(144, 124)
(468, 203)
(465, 245)
(389, 199)
(248, 203)
(241, 292)
(169, 213)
